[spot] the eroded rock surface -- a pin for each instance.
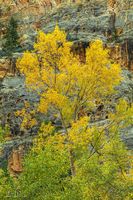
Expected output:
(109, 20)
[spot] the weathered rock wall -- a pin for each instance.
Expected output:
(109, 20)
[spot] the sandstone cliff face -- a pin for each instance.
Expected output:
(15, 161)
(109, 20)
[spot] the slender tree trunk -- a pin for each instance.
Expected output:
(127, 57)
(13, 66)
(70, 151)
(10, 64)
(73, 170)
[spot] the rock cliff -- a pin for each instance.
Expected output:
(109, 20)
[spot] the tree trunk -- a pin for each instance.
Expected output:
(70, 151)
(73, 171)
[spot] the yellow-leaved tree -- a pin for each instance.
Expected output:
(65, 85)
(69, 90)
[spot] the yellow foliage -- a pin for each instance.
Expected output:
(65, 83)
(80, 134)
(27, 116)
(47, 136)
(124, 114)
(66, 87)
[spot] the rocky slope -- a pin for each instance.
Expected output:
(109, 20)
